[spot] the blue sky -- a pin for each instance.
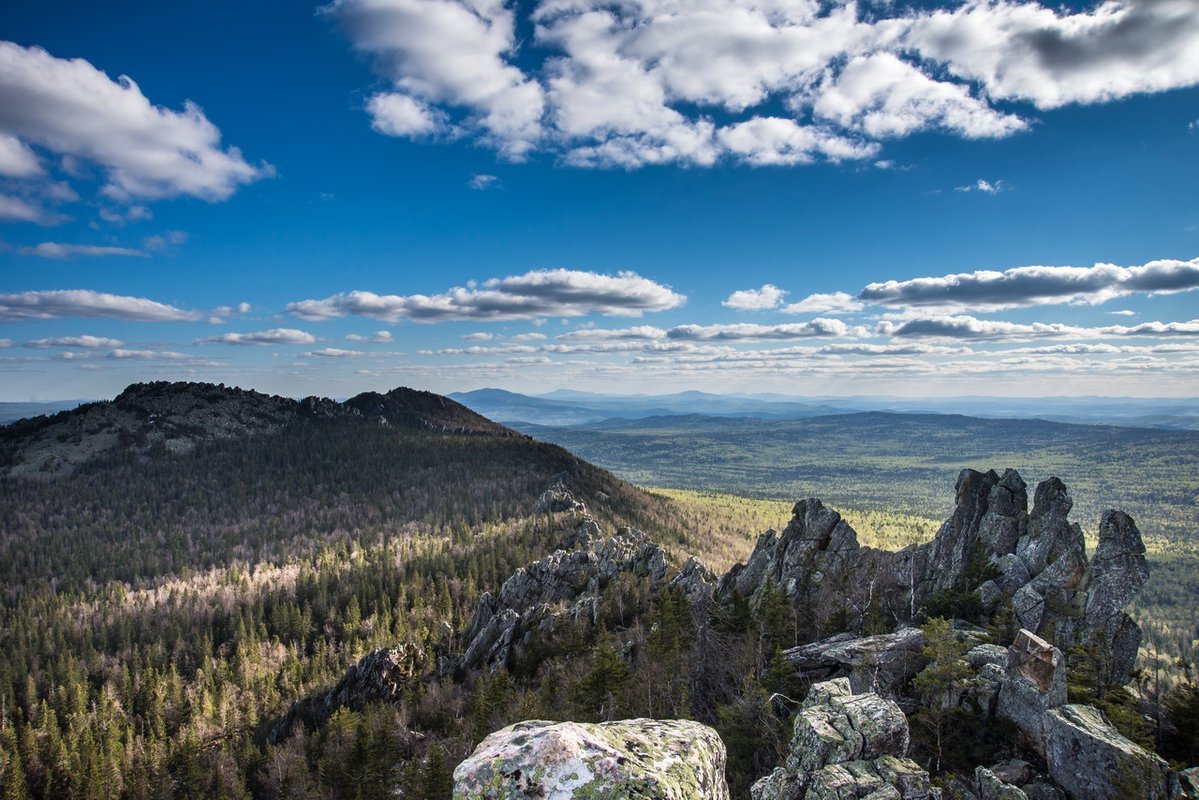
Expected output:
(547, 195)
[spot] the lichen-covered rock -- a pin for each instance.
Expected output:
(989, 786)
(642, 758)
(1034, 683)
(847, 745)
(1089, 758)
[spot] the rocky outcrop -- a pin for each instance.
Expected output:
(991, 545)
(1086, 756)
(878, 663)
(558, 498)
(378, 677)
(847, 745)
(641, 758)
(565, 585)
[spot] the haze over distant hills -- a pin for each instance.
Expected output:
(567, 407)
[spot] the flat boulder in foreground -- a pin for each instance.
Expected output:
(642, 758)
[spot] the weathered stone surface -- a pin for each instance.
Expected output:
(1087, 756)
(1039, 555)
(643, 758)
(565, 585)
(558, 498)
(989, 786)
(847, 745)
(379, 676)
(872, 663)
(1033, 684)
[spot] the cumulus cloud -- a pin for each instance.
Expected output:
(71, 109)
(763, 299)
(834, 303)
(89, 342)
(528, 337)
(1033, 286)
(59, 251)
(451, 52)
(746, 332)
(540, 293)
(262, 338)
(1026, 51)
(478, 337)
(686, 81)
(59, 303)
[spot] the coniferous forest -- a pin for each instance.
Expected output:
(162, 613)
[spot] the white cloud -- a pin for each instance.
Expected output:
(400, 115)
(89, 342)
(540, 293)
(334, 352)
(1026, 51)
(637, 333)
(16, 209)
(636, 82)
(967, 327)
(483, 182)
(763, 299)
(378, 337)
(1124, 312)
(268, 337)
(70, 108)
(57, 250)
(1033, 286)
(884, 97)
(984, 186)
(451, 52)
(59, 303)
(746, 332)
(120, 217)
(478, 337)
(165, 241)
(17, 160)
(834, 303)
(528, 337)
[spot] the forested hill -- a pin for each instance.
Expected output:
(170, 479)
(175, 417)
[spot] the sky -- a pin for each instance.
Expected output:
(809, 198)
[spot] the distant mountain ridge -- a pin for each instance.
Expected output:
(175, 417)
(573, 408)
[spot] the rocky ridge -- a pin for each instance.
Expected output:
(992, 548)
(177, 417)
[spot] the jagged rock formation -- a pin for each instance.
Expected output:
(378, 677)
(558, 498)
(176, 417)
(847, 745)
(1038, 560)
(565, 585)
(1086, 756)
(640, 758)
